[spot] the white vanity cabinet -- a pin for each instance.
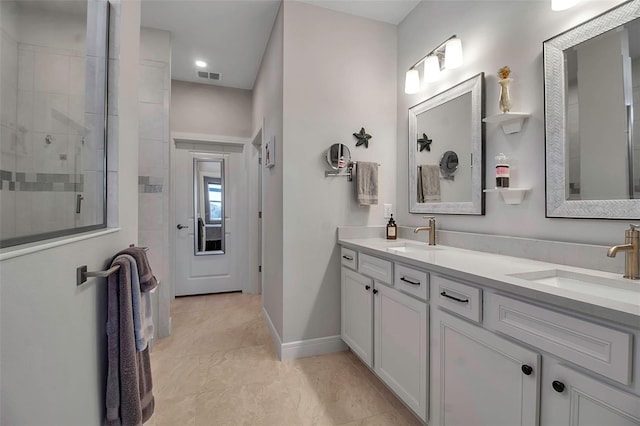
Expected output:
(400, 357)
(490, 354)
(387, 329)
(357, 314)
(570, 398)
(479, 378)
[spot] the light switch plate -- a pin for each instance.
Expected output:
(388, 210)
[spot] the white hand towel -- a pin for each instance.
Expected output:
(367, 183)
(430, 178)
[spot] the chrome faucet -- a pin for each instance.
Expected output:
(431, 228)
(630, 247)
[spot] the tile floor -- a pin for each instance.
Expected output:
(218, 368)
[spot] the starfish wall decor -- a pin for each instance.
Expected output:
(424, 143)
(363, 138)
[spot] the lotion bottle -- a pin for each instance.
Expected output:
(392, 229)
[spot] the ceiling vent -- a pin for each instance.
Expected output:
(216, 76)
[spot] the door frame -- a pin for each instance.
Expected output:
(196, 142)
(256, 242)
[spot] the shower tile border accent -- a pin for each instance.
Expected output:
(41, 182)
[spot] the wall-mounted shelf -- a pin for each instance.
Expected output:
(511, 122)
(511, 195)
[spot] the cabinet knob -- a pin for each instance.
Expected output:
(375, 291)
(367, 287)
(558, 386)
(527, 370)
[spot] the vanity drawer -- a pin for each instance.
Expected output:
(349, 258)
(411, 281)
(461, 299)
(601, 349)
(376, 268)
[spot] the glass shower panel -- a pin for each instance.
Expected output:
(53, 90)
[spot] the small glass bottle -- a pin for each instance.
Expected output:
(392, 229)
(502, 171)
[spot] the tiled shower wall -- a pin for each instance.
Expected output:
(52, 126)
(153, 163)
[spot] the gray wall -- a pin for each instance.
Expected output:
(268, 106)
(495, 34)
(339, 76)
(213, 110)
(53, 339)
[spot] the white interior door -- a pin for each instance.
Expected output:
(209, 273)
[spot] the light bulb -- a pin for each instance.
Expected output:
(431, 68)
(412, 82)
(201, 64)
(453, 53)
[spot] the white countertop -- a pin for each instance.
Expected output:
(618, 301)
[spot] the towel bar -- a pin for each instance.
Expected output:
(82, 274)
(348, 174)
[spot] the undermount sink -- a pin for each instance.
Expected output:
(412, 248)
(591, 284)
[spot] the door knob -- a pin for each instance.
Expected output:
(375, 291)
(527, 370)
(180, 226)
(367, 287)
(558, 386)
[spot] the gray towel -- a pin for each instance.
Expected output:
(128, 399)
(428, 183)
(141, 302)
(147, 279)
(367, 183)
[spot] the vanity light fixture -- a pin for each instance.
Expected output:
(447, 55)
(558, 5)
(201, 64)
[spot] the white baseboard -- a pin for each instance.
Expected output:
(311, 347)
(275, 337)
(302, 348)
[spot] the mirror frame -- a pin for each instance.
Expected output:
(196, 199)
(557, 204)
(475, 86)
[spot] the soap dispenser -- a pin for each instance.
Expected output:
(392, 229)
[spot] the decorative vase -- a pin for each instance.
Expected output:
(505, 98)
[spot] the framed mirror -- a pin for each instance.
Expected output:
(446, 151)
(209, 203)
(338, 156)
(592, 108)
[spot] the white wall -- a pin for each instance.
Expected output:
(153, 174)
(339, 76)
(212, 110)
(495, 34)
(268, 106)
(53, 339)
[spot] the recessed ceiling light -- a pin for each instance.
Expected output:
(201, 64)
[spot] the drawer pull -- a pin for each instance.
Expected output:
(454, 298)
(558, 386)
(527, 370)
(347, 257)
(409, 281)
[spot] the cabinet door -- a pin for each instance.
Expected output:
(572, 398)
(357, 314)
(479, 378)
(401, 358)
